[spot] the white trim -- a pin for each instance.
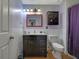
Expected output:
(71, 55)
(4, 33)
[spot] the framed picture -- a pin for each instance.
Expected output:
(34, 20)
(53, 17)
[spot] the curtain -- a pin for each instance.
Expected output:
(73, 41)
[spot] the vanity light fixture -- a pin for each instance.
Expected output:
(33, 11)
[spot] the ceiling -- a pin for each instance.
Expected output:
(46, 2)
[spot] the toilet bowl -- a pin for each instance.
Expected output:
(58, 47)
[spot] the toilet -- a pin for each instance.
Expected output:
(56, 45)
(58, 49)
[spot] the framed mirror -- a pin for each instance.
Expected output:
(34, 20)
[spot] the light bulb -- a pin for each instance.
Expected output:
(24, 10)
(28, 10)
(39, 10)
(31, 10)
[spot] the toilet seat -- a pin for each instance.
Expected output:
(58, 47)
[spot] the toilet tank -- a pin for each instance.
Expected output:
(54, 38)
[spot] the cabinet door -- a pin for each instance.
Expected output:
(35, 45)
(4, 52)
(4, 46)
(5, 16)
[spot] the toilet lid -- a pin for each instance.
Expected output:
(57, 45)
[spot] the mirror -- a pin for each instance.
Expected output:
(34, 20)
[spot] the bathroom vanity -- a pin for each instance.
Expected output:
(35, 45)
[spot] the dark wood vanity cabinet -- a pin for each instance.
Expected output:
(34, 45)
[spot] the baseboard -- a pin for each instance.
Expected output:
(70, 55)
